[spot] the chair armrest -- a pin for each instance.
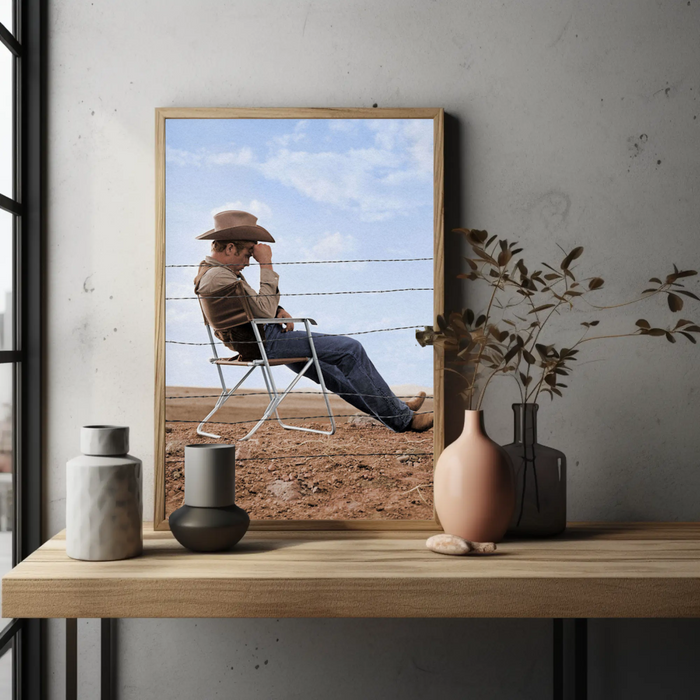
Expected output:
(262, 321)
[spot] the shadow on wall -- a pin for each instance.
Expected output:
(456, 182)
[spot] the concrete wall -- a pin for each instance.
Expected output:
(548, 101)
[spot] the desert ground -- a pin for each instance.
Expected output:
(364, 471)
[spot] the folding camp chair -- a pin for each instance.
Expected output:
(266, 365)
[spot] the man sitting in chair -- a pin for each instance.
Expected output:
(224, 292)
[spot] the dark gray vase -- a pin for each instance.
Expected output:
(210, 521)
(540, 479)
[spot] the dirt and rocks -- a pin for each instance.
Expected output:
(371, 473)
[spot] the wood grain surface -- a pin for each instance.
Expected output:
(594, 570)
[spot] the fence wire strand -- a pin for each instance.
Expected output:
(295, 393)
(312, 294)
(322, 262)
(347, 454)
(325, 415)
(316, 335)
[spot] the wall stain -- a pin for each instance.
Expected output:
(86, 288)
(553, 209)
(669, 91)
(635, 144)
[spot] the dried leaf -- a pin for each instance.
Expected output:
(457, 322)
(550, 379)
(476, 236)
(596, 283)
(468, 316)
(491, 240)
(656, 279)
(670, 338)
(642, 323)
(511, 353)
(485, 256)
(655, 332)
(689, 294)
(480, 321)
(504, 257)
(528, 357)
(573, 255)
(472, 264)
(540, 308)
(682, 322)
(689, 337)
(675, 303)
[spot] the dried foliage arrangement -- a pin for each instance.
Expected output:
(507, 337)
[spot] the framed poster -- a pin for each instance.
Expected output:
(334, 215)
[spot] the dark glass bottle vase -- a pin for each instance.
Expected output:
(540, 479)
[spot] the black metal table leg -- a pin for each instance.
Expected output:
(558, 659)
(570, 659)
(106, 659)
(71, 659)
(580, 659)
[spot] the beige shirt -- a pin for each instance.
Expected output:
(263, 304)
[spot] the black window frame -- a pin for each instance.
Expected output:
(27, 42)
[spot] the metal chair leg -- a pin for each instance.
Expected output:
(225, 395)
(272, 406)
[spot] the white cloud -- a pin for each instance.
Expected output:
(333, 246)
(182, 157)
(347, 180)
(294, 137)
(243, 156)
(255, 206)
(376, 182)
(179, 156)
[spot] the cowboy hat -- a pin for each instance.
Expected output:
(235, 225)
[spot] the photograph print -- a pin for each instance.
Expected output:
(298, 266)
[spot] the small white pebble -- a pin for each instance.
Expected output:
(448, 544)
(451, 544)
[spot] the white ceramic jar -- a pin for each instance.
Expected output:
(104, 508)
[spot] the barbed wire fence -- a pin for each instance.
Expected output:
(353, 333)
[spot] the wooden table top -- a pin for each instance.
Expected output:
(593, 570)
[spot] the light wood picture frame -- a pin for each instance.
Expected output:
(198, 149)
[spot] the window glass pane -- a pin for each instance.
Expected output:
(6, 453)
(7, 18)
(6, 286)
(6, 674)
(7, 102)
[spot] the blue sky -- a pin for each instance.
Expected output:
(326, 189)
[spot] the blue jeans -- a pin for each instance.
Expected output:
(347, 371)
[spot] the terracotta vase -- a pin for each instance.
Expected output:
(474, 485)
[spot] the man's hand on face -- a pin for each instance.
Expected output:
(285, 326)
(263, 254)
